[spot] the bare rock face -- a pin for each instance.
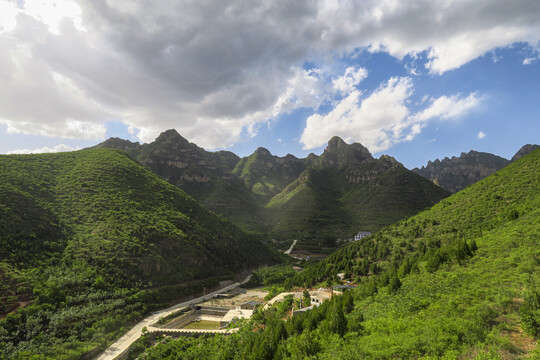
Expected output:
(357, 175)
(457, 173)
(339, 153)
(526, 149)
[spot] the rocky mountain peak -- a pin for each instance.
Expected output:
(335, 143)
(526, 149)
(457, 173)
(338, 152)
(171, 136)
(263, 151)
(117, 143)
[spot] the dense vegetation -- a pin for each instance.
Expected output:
(461, 280)
(335, 199)
(91, 240)
(204, 175)
(315, 200)
(267, 175)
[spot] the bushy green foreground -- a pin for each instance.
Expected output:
(83, 234)
(461, 280)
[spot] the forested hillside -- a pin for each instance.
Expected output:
(319, 198)
(204, 175)
(83, 234)
(461, 280)
(346, 190)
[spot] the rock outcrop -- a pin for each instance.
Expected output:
(457, 173)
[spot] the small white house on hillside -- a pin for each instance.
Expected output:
(361, 235)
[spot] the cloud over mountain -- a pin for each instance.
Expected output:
(214, 70)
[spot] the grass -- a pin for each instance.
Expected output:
(203, 324)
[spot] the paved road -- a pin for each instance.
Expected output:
(288, 251)
(132, 335)
(280, 297)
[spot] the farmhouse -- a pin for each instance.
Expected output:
(361, 235)
(319, 297)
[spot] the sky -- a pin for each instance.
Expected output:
(415, 79)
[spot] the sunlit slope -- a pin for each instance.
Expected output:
(450, 281)
(340, 199)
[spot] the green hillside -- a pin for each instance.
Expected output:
(267, 175)
(345, 191)
(204, 175)
(83, 234)
(317, 199)
(308, 207)
(458, 281)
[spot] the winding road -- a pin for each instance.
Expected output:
(288, 251)
(132, 335)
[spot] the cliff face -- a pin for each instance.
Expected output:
(526, 149)
(457, 173)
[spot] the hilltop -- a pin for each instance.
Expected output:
(206, 176)
(346, 190)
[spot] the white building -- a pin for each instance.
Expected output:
(361, 235)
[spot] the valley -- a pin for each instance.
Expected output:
(270, 180)
(95, 245)
(459, 280)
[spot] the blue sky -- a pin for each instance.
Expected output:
(508, 114)
(417, 80)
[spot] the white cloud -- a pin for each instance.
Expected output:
(448, 107)
(528, 61)
(352, 77)
(383, 118)
(369, 122)
(54, 149)
(159, 65)
(481, 135)
(69, 129)
(8, 14)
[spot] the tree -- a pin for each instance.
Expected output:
(280, 332)
(348, 301)
(306, 299)
(405, 268)
(394, 284)
(306, 345)
(338, 323)
(433, 262)
(530, 313)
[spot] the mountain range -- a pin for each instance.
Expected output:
(100, 210)
(457, 173)
(460, 280)
(91, 240)
(336, 194)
